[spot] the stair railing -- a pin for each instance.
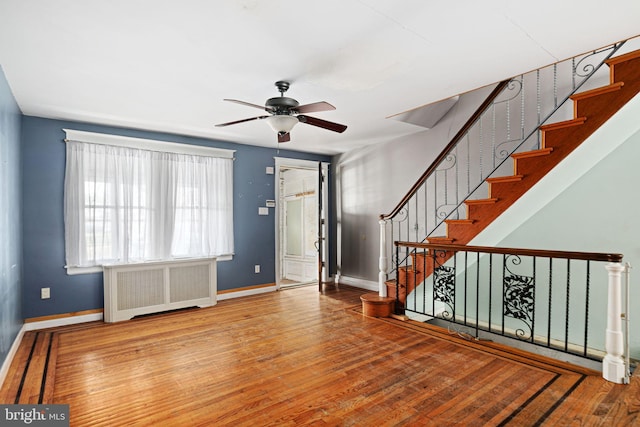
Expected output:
(508, 121)
(526, 297)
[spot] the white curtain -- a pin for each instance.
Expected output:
(127, 205)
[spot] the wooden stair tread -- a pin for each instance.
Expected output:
(597, 91)
(533, 153)
(481, 201)
(563, 124)
(459, 221)
(623, 58)
(508, 178)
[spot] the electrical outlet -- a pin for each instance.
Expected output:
(45, 293)
(257, 268)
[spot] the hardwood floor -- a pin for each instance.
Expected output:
(298, 357)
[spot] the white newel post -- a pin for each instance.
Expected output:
(382, 265)
(613, 367)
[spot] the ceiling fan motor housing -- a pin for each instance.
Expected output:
(281, 104)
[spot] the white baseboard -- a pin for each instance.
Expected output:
(359, 283)
(4, 370)
(63, 321)
(246, 293)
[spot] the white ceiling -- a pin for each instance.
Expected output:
(167, 65)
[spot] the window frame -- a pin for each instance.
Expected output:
(144, 144)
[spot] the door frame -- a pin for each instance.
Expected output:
(302, 164)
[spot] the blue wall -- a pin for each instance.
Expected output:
(43, 164)
(10, 238)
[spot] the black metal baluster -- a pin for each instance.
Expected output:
(504, 288)
(466, 282)
(549, 312)
(455, 285)
(424, 280)
(533, 316)
(490, 286)
(469, 158)
(586, 308)
(415, 222)
(433, 287)
(566, 319)
(477, 292)
(522, 108)
(426, 210)
(397, 263)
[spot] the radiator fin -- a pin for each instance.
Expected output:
(189, 282)
(141, 288)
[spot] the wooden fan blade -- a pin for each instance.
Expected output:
(285, 137)
(241, 121)
(248, 104)
(315, 107)
(336, 127)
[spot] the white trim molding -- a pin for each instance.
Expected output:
(63, 321)
(359, 283)
(246, 292)
(4, 369)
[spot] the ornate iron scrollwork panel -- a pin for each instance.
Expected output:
(519, 301)
(444, 288)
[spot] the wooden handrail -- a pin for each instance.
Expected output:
(458, 136)
(585, 256)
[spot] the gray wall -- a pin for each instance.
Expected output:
(371, 181)
(10, 219)
(43, 164)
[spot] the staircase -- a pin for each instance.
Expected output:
(591, 109)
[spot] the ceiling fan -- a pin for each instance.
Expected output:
(286, 112)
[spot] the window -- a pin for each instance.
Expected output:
(131, 200)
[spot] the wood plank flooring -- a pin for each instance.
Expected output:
(298, 357)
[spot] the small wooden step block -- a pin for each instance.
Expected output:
(373, 305)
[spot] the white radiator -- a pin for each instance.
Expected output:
(134, 289)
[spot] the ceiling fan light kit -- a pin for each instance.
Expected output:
(282, 123)
(287, 112)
